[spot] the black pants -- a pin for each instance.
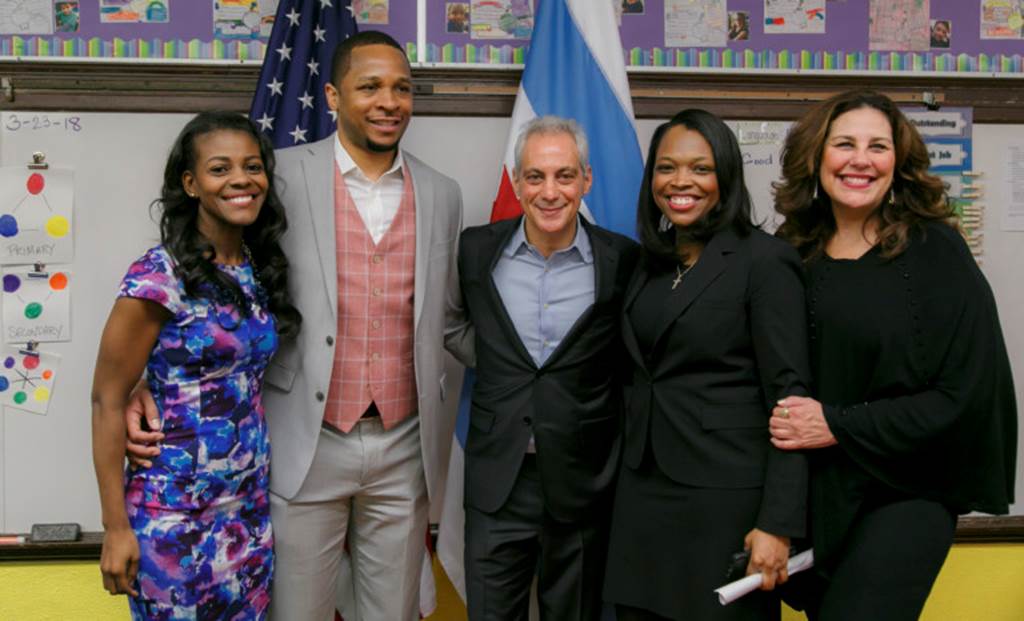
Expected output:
(506, 548)
(890, 560)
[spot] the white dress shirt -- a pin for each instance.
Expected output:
(376, 201)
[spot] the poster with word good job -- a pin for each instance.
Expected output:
(37, 305)
(35, 215)
(26, 378)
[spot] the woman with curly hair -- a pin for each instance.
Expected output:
(715, 334)
(914, 420)
(189, 536)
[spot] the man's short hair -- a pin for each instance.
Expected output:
(342, 58)
(545, 125)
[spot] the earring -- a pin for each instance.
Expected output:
(814, 196)
(664, 224)
(892, 194)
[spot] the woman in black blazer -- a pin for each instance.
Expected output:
(915, 417)
(714, 323)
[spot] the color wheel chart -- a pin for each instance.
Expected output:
(36, 305)
(35, 215)
(26, 379)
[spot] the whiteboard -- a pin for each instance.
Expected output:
(46, 470)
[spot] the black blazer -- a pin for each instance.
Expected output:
(731, 345)
(572, 403)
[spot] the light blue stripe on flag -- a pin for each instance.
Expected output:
(564, 79)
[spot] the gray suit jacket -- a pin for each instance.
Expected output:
(298, 378)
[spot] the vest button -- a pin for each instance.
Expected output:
(319, 396)
(377, 258)
(330, 340)
(376, 292)
(375, 324)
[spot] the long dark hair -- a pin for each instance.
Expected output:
(918, 196)
(193, 253)
(734, 204)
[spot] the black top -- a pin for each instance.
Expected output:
(650, 308)
(912, 370)
(710, 359)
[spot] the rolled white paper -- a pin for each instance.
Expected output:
(735, 590)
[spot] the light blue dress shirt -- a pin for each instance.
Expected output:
(545, 297)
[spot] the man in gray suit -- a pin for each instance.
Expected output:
(354, 404)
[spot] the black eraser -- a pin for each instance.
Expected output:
(55, 533)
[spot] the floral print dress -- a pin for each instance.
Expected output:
(201, 512)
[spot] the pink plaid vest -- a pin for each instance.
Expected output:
(373, 360)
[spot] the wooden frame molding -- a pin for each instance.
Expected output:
(134, 87)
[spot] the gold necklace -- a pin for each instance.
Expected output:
(680, 273)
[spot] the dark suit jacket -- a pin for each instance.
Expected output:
(572, 403)
(727, 349)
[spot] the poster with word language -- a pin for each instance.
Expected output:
(26, 378)
(35, 215)
(37, 305)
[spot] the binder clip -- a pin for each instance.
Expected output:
(38, 161)
(31, 349)
(39, 271)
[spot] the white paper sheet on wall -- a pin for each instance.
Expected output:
(27, 378)
(36, 305)
(36, 215)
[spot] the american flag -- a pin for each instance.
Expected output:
(289, 103)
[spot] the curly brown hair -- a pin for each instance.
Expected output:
(809, 223)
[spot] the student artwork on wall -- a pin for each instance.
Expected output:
(36, 304)
(35, 215)
(27, 378)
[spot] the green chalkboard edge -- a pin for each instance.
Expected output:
(970, 529)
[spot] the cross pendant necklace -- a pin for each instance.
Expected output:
(680, 273)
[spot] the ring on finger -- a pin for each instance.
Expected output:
(784, 413)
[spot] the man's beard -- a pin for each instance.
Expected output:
(377, 147)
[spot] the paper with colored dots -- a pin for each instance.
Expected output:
(26, 379)
(36, 305)
(35, 215)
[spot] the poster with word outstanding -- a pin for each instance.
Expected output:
(35, 215)
(36, 305)
(27, 378)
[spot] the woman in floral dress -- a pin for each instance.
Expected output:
(189, 536)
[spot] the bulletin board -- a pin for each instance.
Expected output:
(889, 36)
(182, 30)
(774, 34)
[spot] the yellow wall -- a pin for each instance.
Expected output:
(979, 581)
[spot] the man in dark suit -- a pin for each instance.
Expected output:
(544, 294)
